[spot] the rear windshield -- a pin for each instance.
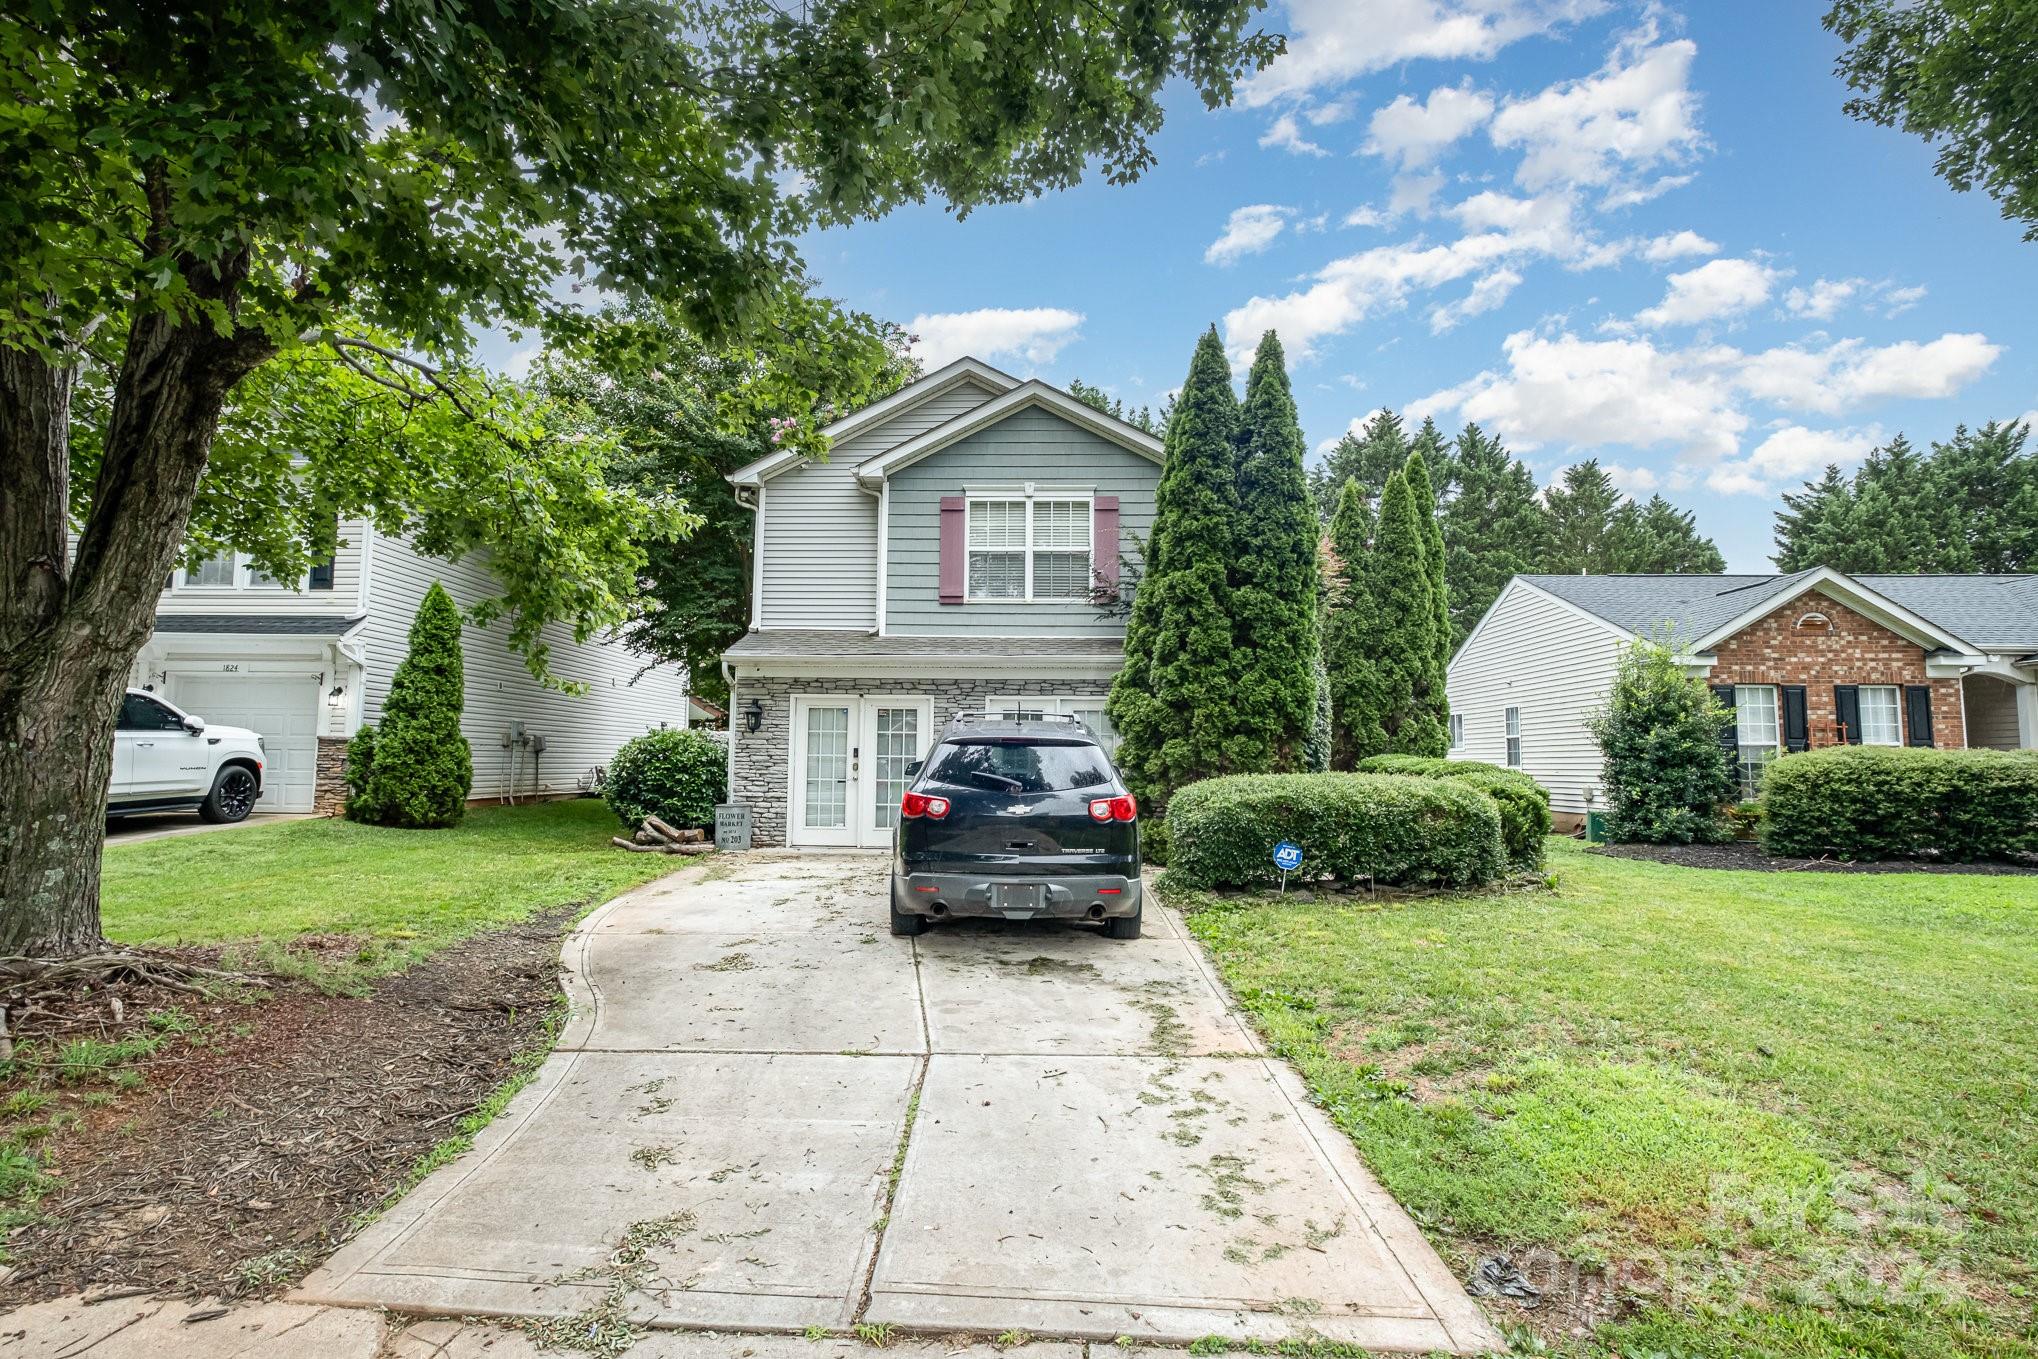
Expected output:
(1020, 767)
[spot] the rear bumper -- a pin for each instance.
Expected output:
(947, 895)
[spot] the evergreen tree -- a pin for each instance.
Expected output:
(422, 769)
(1404, 640)
(1583, 515)
(1436, 454)
(1493, 527)
(1352, 675)
(1986, 488)
(1667, 541)
(1430, 684)
(1378, 449)
(1098, 399)
(1812, 519)
(1273, 575)
(1172, 702)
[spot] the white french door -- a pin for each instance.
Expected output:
(851, 759)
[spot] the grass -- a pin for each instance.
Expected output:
(401, 894)
(1736, 1113)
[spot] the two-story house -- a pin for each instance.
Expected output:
(948, 555)
(306, 662)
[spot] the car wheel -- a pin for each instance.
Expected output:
(906, 925)
(1124, 926)
(232, 797)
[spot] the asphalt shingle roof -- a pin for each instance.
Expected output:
(1996, 612)
(258, 625)
(791, 642)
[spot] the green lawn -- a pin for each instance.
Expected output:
(1786, 1114)
(402, 893)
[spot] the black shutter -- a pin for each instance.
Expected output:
(1797, 731)
(1918, 713)
(1730, 735)
(321, 575)
(1847, 710)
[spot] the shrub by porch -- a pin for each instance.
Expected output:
(1890, 802)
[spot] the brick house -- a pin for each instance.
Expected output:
(1805, 659)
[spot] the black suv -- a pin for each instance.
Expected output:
(1017, 819)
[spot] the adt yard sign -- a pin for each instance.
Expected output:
(1287, 856)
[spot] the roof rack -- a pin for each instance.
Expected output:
(1013, 715)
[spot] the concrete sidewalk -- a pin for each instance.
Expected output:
(767, 1114)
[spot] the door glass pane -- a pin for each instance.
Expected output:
(1090, 712)
(898, 744)
(827, 788)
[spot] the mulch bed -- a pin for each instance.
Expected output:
(1748, 856)
(248, 1156)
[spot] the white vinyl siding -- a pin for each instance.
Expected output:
(1881, 722)
(818, 536)
(623, 698)
(1554, 664)
(228, 584)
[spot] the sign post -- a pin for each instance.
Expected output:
(1287, 858)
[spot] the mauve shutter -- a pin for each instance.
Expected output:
(1730, 735)
(1847, 712)
(954, 553)
(1797, 734)
(1104, 546)
(1918, 713)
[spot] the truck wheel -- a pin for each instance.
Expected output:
(906, 925)
(232, 797)
(1124, 926)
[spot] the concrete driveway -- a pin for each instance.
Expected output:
(767, 1114)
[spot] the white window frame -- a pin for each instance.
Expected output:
(1749, 772)
(1896, 713)
(1511, 720)
(1030, 495)
(244, 578)
(1457, 731)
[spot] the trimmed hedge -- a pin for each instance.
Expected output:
(1398, 831)
(673, 774)
(1523, 804)
(1893, 802)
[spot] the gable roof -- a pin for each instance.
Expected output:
(915, 393)
(1029, 395)
(1961, 613)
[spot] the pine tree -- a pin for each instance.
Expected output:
(1583, 515)
(1430, 688)
(1667, 542)
(1404, 641)
(1273, 575)
(1493, 527)
(422, 769)
(1172, 702)
(1352, 675)
(1378, 449)
(1436, 453)
(1987, 488)
(1812, 519)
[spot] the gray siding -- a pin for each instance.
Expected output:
(1029, 445)
(819, 537)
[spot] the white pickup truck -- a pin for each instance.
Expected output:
(165, 760)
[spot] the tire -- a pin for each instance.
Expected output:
(905, 925)
(1124, 926)
(233, 795)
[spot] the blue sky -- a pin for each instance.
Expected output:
(1622, 230)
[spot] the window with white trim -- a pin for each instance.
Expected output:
(1758, 734)
(1457, 731)
(1881, 724)
(231, 571)
(1514, 738)
(1028, 547)
(1085, 708)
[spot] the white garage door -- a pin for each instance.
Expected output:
(283, 708)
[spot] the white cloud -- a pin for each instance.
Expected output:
(1850, 373)
(1249, 230)
(1035, 334)
(1823, 299)
(1357, 426)
(1792, 453)
(1416, 133)
(1567, 392)
(1365, 217)
(1900, 300)
(1677, 245)
(1633, 480)
(1488, 292)
(1323, 115)
(1610, 129)
(1285, 133)
(1714, 290)
(1332, 41)
(1414, 194)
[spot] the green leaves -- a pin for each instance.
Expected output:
(418, 770)
(1662, 771)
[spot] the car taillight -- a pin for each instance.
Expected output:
(919, 804)
(1113, 809)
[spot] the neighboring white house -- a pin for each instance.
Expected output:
(1804, 659)
(307, 662)
(943, 559)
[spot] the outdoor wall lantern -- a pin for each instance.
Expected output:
(333, 695)
(753, 716)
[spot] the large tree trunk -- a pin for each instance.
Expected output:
(69, 634)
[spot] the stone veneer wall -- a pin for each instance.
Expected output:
(329, 784)
(763, 762)
(1855, 650)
